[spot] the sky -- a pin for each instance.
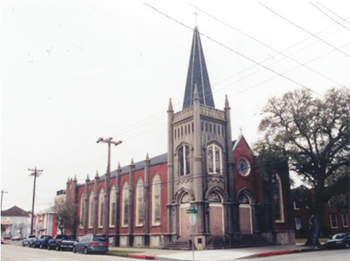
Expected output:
(76, 70)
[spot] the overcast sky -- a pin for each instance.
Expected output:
(74, 71)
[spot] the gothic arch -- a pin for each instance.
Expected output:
(216, 143)
(181, 192)
(248, 193)
(219, 190)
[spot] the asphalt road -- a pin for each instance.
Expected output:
(335, 255)
(19, 253)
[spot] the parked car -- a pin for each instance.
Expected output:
(17, 238)
(91, 244)
(341, 240)
(41, 241)
(28, 241)
(60, 242)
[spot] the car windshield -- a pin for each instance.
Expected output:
(338, 236)
(99, 238)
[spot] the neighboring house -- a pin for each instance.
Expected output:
(238, 203)
(335, 220)
(16, 222)
(45, 223)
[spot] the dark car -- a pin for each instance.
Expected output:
(60, 242)
(41, 241)
(28, 241)
(91, 244)
(341, 240)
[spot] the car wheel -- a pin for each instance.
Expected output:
(74, 250)
(58, 247)
(347, 245)
(41, 246)
(86, 251)
(48, 247)
(23, 244)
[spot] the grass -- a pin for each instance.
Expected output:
(303, 240)
(115, 252)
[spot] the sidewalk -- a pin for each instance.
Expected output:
(218, 255)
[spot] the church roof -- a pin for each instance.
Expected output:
(198, 74)
(15, 212)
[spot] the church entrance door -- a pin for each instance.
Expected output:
(185, 227)
(245, 219)
(245, 214)
(216, 219)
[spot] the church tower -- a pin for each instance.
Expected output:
(200, 167)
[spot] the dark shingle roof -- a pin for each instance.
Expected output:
(15, 212)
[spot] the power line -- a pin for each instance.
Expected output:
(345, 20)
(266, 45)
(301, 28)
(234, 51)
(329, 16)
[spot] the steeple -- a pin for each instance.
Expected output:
(198, 74)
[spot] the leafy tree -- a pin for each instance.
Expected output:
(314, 134)
(65, 215)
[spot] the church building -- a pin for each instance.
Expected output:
(237, 201)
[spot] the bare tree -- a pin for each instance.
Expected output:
(66, 216)
(313, 134)
(21, 227)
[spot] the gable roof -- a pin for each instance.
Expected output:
(197, 75)
(15, 212)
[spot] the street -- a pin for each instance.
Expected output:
(336, 255)
(18, 253)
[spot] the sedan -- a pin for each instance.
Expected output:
(341, 240)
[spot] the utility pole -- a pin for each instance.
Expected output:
(107, 185)
(2, 193)
(36, 173)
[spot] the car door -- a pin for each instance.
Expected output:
(80, 245)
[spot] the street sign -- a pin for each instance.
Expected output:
(193, 219)
(192, 210)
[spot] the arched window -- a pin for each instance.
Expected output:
(125, 205)
(214, 159)
(277, 198)
(91, 209)
(139, 203)
(156, 201)
(101, 207)
(184, 160)
(82, 210)
(112, 207)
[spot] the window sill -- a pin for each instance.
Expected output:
(156, 225)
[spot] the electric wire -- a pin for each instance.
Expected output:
(329, 16)
(266, 45)
(303, 29)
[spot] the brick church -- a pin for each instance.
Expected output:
(238, 203)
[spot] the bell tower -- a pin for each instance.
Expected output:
(199, 152)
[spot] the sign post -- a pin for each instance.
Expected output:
(192, 219)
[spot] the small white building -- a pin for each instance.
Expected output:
(16, 222)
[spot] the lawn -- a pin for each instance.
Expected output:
(303, 240)
(115, 252)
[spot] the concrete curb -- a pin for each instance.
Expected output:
(141, 256)
(281, 252)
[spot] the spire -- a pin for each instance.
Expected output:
(170, 108)
(198, 74)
